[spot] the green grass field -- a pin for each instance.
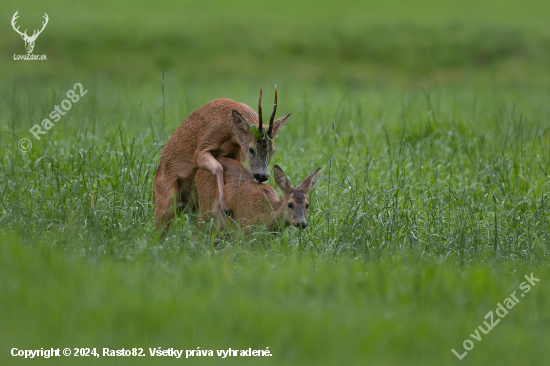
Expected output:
(432, 205)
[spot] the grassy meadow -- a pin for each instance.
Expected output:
(430, 121)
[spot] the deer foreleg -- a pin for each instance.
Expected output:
(207, 162)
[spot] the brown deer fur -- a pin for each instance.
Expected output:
(220, 128)
(251, 203)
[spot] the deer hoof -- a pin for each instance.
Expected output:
(223, 208)
(225, 213)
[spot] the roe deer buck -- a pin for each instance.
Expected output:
(251, 203)
(220, 128)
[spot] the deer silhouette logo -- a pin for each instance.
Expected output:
(29, 41)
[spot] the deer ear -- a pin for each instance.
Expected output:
(278, 124)
(241, 123)
(281, 180)
(309, 182)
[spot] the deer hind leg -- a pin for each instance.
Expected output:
(164, 208)
(187, 200)
(207, 162)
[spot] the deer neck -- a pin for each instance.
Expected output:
(277, 215)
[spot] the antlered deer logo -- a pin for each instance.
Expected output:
(29, 41)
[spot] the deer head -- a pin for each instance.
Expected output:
(295, 206)
(259, 144)
(29, 41)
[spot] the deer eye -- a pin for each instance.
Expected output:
(290, 205)
(251, 150)
(307, 206)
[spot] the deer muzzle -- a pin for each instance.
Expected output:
(260, 177)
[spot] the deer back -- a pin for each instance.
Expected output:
(249, 202)
(209, 128)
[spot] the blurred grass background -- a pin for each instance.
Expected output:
(436, 205)
(345, 42)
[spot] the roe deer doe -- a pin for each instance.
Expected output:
(251, 203)
(220, 128)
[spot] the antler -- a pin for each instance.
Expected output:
(272, 114)
(260, 111)
(13, 24)
(34, 35)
